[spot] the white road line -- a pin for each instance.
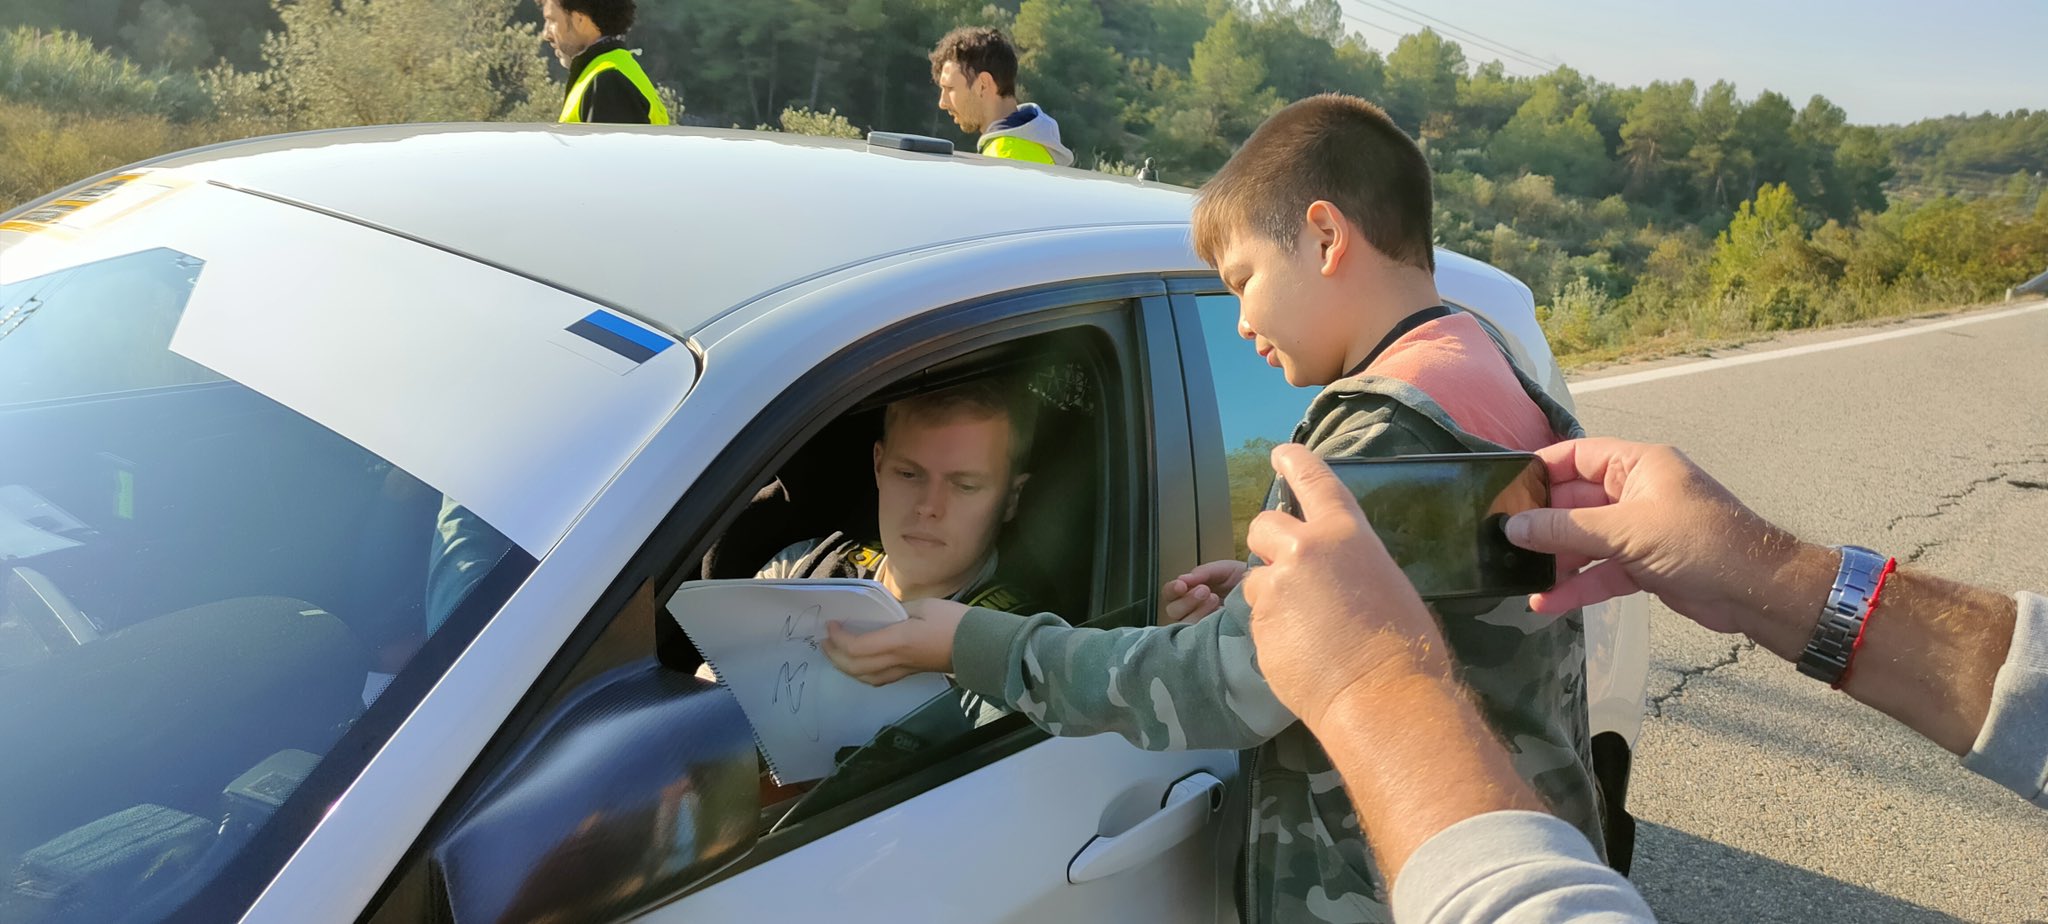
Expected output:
(1651, 375)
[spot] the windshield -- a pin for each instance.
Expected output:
(203, 594)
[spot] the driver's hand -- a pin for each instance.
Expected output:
(921, 644)
(1199, 592)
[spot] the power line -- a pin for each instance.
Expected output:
(1552, 61)
(1482, 43)
(1489, 44)
(1531, 70)
(1507, 56)
(1396, 33)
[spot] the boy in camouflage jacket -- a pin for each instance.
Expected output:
(1321, 225)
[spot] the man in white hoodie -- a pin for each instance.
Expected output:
(976, 70)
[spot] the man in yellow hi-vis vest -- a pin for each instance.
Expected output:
(976, 70)
(606, 84)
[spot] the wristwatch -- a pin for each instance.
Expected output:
(1841, 620)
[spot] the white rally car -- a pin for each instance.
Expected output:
(346, 478)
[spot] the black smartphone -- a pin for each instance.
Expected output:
(1443, 519)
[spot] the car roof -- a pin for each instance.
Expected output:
(675, 225)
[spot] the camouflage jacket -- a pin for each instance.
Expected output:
(1198, 686)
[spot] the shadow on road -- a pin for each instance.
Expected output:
(1783, 724)
(1690, 880)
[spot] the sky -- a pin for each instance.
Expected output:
(1883, 61)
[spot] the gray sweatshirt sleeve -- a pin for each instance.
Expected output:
(2012, 750)
(1513, 868)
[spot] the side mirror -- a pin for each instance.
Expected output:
(640, 783)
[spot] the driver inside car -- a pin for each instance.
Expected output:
(948, 472)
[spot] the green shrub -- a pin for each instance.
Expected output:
(62, 72)
(797, 120)
(42, 151)
(368, 62)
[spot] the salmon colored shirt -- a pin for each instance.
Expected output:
(1454, 362)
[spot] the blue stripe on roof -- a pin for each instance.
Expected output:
(610, 341)
(629, 330)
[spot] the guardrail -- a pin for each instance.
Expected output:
(2035, 286)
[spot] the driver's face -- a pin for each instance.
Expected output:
(944, 491)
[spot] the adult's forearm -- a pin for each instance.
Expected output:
(1930, 652)
(1417, 758)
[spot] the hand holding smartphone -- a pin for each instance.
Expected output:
(1443, 517)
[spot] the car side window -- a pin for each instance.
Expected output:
(1257, 408)
(981, 480)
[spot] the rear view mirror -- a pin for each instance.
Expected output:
(640, 783)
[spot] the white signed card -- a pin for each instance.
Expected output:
(765, 639)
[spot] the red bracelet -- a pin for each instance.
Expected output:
(1876, 593)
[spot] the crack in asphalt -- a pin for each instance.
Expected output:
(1945, 502)
(1687, 675)
(1948, 502)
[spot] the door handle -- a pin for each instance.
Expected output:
(1184, 811)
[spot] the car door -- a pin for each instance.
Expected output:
(1027, 827)
(1000, 824)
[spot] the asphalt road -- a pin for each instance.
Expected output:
(1763, 796)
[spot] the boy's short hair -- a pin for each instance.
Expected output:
(979, 50)
(981, 399)
(1331, 147)
(612, 17)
